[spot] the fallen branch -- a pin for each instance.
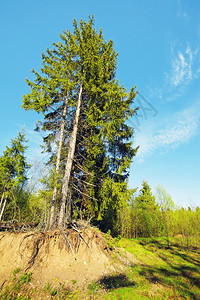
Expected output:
(73, 227)
(67, 241)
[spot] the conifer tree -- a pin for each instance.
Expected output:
(146, 213)
(85, 112)
(13, 168)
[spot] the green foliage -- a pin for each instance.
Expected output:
(164, 199)
(16, 271)
(146, 217)
(13, 165)
(18, 289)
(13, 170)
(166, 205)
(188, 227)
(93, 287)
(53, 292)
(25, 277)
(48, 286)
(110, 241)
(74, 281)
(114, 196)
(145, 214)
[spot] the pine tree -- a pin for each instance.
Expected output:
(85, 112)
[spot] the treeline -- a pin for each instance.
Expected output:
(139, 214)
(152, 216)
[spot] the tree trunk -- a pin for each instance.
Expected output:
(53, 203)
(2, 197)
(70, 157)
(1, 213)
(69, 206)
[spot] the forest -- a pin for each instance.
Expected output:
(83, 120)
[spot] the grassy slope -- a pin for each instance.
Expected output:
(156, 272)
(160, 272)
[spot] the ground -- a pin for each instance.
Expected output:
(91, 265)
(55, 257)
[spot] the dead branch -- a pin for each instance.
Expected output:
(82, 155)
(16, 226)
(84, 181)
(81, 168)
(75, 188)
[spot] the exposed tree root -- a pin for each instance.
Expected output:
(80, 235)
(37, 242)
(2, 284)
(25, 237)
(2, 236)
(69, 240)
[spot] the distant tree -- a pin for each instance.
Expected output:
(85, 112)
(166, 205)
(146, 213)
(188, 226)
(13, 170)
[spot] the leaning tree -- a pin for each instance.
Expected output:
(85, 110)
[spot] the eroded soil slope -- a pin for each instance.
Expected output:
(62, 257)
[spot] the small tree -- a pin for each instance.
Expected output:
(145, 213)
(166, 205)
(13, 169)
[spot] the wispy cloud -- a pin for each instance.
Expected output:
(175, 131)
(184, 69)
(181, 11)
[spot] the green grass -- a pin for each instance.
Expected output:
(18, 288)
(162, 272)
(156, 272)
(153, 271)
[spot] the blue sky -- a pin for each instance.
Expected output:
(158, 42)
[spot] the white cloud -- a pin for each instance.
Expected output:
(182, 67)
(176, 131)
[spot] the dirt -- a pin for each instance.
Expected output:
(55, 257)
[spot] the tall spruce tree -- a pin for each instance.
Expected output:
(85, 112)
